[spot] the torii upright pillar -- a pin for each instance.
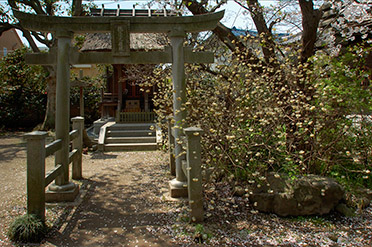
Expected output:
(178, 186)
(63, 189)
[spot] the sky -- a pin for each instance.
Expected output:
(233, 12)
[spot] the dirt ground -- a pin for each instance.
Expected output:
(124, 201)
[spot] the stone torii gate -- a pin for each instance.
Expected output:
(120, 28)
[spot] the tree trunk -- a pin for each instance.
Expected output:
(77, 8)
(310, 23)
(222, 32)
(50, 113)
(265, 35)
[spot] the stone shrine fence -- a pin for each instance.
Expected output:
(38, 179)
(37, 151)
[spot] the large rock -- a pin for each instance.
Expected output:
(308, 195)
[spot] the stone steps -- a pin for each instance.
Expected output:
(130, 133)
(133, 126)
(128, 137)
(141, 139)
(114, 147)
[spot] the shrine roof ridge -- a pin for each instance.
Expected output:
(86, 24)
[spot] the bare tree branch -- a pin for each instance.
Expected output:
(30, 40)
(5, 27)
(209, 70)
(12, 4)
(34, 4)
(223, 33)
(285, 5)
(273, 23)
(242, 5)
(218, 5)
(294, 24)
(42, 38)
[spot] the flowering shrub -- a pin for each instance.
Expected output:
(288, 117)
(344, 123)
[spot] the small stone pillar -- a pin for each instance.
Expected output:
(178, 186)
(77, 143)
(146, 95)
(62, 185)
(36, 173)
(193, 168)
(120, 97)
(172, 162)
(81, 94)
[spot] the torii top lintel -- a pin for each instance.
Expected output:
(153, 24)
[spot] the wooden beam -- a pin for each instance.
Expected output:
(135, 57)
(149, 24)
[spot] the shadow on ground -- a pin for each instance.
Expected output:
(122, 207)
(103, 156)
(10, 151)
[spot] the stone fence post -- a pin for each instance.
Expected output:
(36, 173)
(77, 143)
(194, 177)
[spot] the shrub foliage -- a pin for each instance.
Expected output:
(23, 94)
(91, 96)
(22, 91)
(291, 117)
(27, 229)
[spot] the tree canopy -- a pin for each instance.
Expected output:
(39, 7)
